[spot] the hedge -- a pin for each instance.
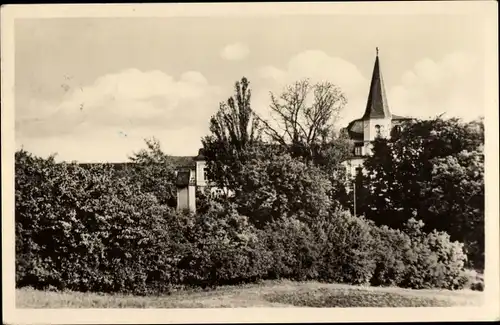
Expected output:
(90, 229)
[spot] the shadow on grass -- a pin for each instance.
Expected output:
(352, 298)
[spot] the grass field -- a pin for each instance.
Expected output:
(265, 294)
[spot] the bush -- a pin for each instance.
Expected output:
(390, 252)
(475, 280)
(346, 245)
(414, 259)
(86, 229)
(275, 185)
(91, 229)
(293, 248)
(221, 248)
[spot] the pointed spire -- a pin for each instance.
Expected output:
(377, 106)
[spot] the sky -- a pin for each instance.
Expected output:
(92, 89)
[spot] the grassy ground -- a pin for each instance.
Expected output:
(266, 294)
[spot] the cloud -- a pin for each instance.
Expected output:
(235, 52)
(132, 102)
(317, 66)
(452, 85)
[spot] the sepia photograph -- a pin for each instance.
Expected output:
(187, 159)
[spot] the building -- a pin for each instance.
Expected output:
(190, 179)
(377, 120)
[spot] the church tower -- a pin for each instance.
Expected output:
(376, 121)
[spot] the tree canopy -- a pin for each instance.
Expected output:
(233, 130)
(432, 170)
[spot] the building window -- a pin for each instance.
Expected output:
(358, 151)
(396, 131)
(377, 130)
(205, 174)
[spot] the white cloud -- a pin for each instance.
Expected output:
(452, 85)
(139, 104)
(235, 52)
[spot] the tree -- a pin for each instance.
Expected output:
(274, 185)
(455, 196)
(154, 171)
(431, 170)
(304, 116)
(234, 129)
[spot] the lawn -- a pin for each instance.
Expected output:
(265, 294)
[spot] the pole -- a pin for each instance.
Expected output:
(354, 192)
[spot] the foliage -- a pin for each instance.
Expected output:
(415, 259)
(85, 229)
(432, 170)
(222, 248)
(94, 229)
(233, 130)
(294, 249)
(390, 253)
(303, 125)
(154, 171)
(455, 196)
(346, 245)
(274, 185)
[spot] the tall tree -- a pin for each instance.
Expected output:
(234, 129)
(304, 115)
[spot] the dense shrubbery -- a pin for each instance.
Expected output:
(273, 185)
(346, 245)
(294, 249)
(414, 259)
(221, 247)
(91, 229)
(85, 229)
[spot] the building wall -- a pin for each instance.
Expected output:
(192, 198)
(370, 131)
(200, 173)
(182, 198)
(370, 128)
(186, 195)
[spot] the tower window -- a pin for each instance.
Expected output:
(377, 130)
(396, 131)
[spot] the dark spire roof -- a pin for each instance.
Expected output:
(377, 106)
